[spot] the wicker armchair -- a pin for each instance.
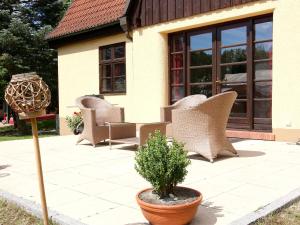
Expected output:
(202, 128)
(185, 103)
(95, 112)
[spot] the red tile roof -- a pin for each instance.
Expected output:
(84, 15)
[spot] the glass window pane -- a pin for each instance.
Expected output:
(201, 75)
(106, 53)
(106, 70)
(177, 77)
(119, 69)
(177, 93)
(106, 85)
(201, 41)
(239, 109)
(119, 51)
(263, 50)
(263, 90)
(263, 109)
(201, 89)
(201, 58)
(235, 54)
(235, 73)
(234, 36)
(264, 31)
(120, 84)
(178, 43)
(240, 88)
(263, 71)
(177, 61)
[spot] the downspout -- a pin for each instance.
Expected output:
(125, 21)
(126, 27)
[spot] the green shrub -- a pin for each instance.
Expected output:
(162, 165)
(73, 121)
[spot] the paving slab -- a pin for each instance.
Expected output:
(97, 186)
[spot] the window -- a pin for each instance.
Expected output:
(112, 69)
(234, 56)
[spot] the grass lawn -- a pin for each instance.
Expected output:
(287, 216)
(10, 133)
(11, 214)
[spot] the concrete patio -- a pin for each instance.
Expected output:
(97, 186)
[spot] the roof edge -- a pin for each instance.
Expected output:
(50, 39)
(127, 7)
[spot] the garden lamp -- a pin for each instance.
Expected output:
(28, 95)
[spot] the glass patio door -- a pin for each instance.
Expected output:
(229, 57)
(201, 61)
(233, 72)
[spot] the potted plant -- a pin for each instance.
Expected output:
(75, 123)
(165, 166)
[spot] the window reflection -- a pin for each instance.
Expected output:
(201, 89)
(177, 93)
(119, 52)
(178, 43)
(120, 84)
(106, 84)
(106, 53)
(234, 36)
(201, 41)
(177, 77)
(119, 69)
(263, 90)
(177, 61)
(200, 58)
(263, 71)
(235, 54)
(106, 70)
(201, 75)
(263, 50)
(235, 73)
(239, 109)
(240, 88)
(263, 109)
(263, 31)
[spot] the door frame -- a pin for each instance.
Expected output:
(235, 123)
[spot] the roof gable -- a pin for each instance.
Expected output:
(84, 15)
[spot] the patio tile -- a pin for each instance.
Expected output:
(255, 196)
(118, 216)
(95, 187)
(231, 203)
(282, 184)
(63, 196)
(210, 215)
(132, 179)
(124, 196)
(98, 185)
(66, 179)
(213, 187)
(85, 207)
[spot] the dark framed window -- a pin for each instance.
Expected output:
(112, 68)
(235, 56)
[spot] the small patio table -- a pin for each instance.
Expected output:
(144, 131)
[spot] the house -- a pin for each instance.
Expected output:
(144, 54)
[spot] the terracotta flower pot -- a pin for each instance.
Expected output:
(180, 214)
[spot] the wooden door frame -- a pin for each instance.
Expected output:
(215, 29)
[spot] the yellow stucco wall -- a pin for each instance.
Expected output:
(147, 64)
(286, 70)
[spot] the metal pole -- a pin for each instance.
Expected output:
(39, 169)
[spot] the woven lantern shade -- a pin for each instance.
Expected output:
(28, 95)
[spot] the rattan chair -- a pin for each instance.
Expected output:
(202, 128)
(184, 103)
(95, 113)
